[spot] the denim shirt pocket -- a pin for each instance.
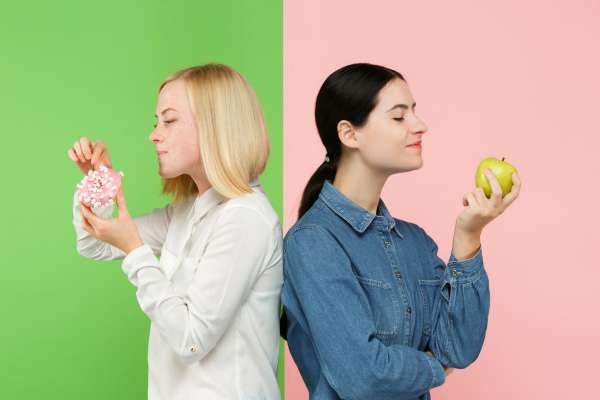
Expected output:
(429, 290)
(385, 306)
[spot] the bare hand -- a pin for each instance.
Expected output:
(88, 154)
(447, 370)
(480, 210)
(120, 232)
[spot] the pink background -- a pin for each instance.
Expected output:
(514, 79)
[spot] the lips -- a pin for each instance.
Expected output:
(415, 144)
(160, 152)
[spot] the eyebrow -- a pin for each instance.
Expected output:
(404, 106)
(165, 110)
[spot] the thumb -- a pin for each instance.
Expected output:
(121, 201)
(89, 215)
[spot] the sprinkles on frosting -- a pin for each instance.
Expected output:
(99, 187)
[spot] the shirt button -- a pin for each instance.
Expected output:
(387, 243)
(426, 330)
(398, 274)
(194, 348)
(408, 310)
(453, 272)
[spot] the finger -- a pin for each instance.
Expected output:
(480, 196)
(78, 152)
(86, 225)
(105, 157)
(100, 158)
(86, 147)
(72, 155)
(514, 191)
(496, 188)
(465, 200)
(98, 151)
(471, 200)
(99, 142)
(120, 198)
(92, 218)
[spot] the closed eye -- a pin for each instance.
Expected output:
(399, 119)
(166, 122)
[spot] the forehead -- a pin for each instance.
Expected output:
(395, 92)
(174, 95)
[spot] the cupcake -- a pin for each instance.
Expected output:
(99, 187)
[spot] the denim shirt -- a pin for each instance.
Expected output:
(366, 295)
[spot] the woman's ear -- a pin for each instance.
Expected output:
(347, 134)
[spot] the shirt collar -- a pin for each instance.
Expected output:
(256, 184)
(358, 217)
(204, 202)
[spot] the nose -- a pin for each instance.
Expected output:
(420, 126)
(155, 137)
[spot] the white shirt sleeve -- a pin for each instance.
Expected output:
(152, 228)
(235, 256)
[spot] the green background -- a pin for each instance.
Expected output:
(71, 327)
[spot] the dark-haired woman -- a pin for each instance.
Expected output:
(372, 311)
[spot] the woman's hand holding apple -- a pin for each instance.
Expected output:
(478, 212)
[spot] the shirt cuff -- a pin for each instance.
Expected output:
(466, 268)
(142, 256)
(439, 376)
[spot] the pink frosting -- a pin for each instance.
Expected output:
(99, 187)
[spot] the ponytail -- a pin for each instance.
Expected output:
(326, 171)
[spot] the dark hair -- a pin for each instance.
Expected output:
(350, 94)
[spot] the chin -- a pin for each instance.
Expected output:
(165, 174)
(408, 167)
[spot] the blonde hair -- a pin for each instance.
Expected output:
(234, 145)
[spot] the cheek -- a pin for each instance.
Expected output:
(187, 145)
(385, 141)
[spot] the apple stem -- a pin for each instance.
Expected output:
(502, 158)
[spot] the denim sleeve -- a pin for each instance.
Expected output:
(461, 310)
(341, 325)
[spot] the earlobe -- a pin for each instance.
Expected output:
(347, 134)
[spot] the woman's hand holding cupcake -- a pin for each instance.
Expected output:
(121, 232)
(89, 154)
(100, 186)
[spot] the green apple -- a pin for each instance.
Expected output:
(501, 169)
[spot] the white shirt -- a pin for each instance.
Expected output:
(212, 298)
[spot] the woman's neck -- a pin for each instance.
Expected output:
(358, 183)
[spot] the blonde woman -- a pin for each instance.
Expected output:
(208, 266)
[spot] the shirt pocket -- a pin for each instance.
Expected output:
(385, 307)
(179, 270)
(429, 290)
(187, 270)
(168, 261)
